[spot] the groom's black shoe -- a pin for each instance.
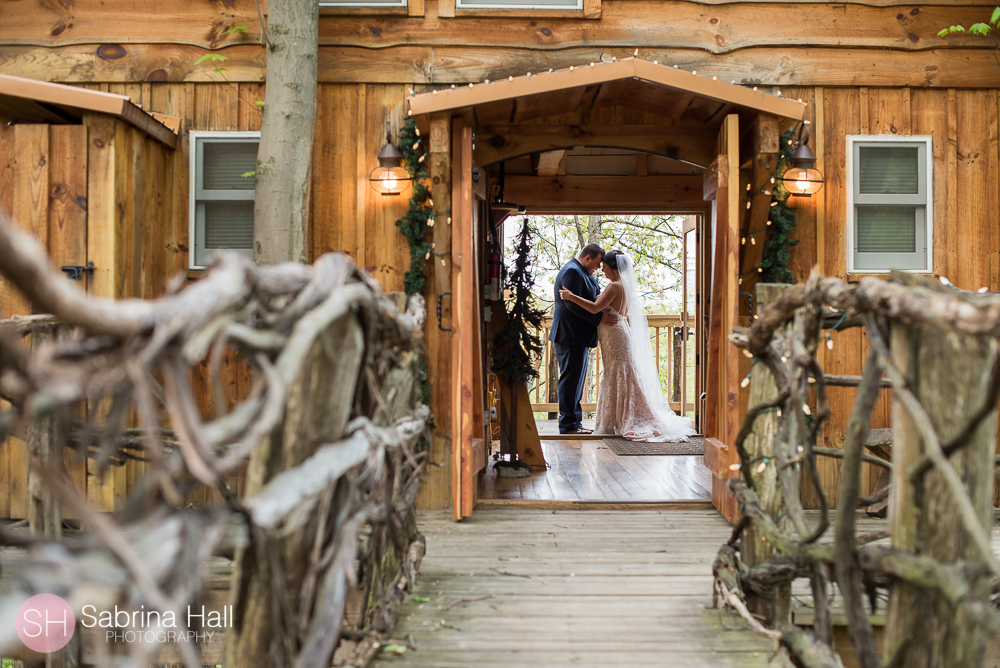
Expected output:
(578, 430)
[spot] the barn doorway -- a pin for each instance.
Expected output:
(664, 245)
(727, 133)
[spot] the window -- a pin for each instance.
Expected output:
(221, 196)
(362, 3)
(889, 206)
(519, 4)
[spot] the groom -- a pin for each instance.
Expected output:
(574, 332)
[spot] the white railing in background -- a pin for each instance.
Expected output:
(674, 364)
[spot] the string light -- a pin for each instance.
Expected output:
(747, 353)
(944, 280)
(743, 241)
(735, 467)
(779, 412)
(806, 409)
(784, 359)
(746, 381)
(762, 466)
(636, 52)
(983, 290)
(752, 242)
(453, 86)
(755, 88)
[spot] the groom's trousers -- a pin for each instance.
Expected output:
(572, 376)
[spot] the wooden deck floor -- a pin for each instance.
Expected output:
(587, 470)
(571, 588)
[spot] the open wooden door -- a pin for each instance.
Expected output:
(467, 421)
(722, 382)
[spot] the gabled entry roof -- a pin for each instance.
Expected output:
(631, 82)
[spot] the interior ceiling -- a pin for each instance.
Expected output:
(582, 161)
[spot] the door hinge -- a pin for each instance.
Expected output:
(697, 358)
(75, 271)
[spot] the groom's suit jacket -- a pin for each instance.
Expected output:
(572, 325)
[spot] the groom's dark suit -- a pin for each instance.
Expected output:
(574, 331)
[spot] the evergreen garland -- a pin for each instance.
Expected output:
(517, 344)
(415, 223)
(783, 221)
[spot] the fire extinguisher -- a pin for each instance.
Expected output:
(495, 266)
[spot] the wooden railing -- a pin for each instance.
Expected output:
(670, 350)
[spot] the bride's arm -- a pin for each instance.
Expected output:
(603, 300)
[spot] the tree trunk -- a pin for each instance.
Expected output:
(777, 610)
(594, 230)
(281, 206)
(945, 372)
(552, 380)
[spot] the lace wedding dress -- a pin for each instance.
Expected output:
(622, 406)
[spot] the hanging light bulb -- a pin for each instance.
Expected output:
(806, 409)
(752, 242)
(762, 466)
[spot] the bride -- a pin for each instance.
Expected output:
(630, 401)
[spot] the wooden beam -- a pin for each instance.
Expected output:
(691, 143)
(548, 163)
(676, 24)
(871, 23)
(417, 65)
(761, 135)
(593, 194)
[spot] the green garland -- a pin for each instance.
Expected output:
(517, 344)
(783, 222)
(414, 224)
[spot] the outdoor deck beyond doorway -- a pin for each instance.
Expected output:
(574, 588)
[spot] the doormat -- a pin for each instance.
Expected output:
(622, 446)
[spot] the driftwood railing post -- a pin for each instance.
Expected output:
(44, 511)
(944, 370)
(777, 610)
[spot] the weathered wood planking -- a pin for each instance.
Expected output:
(623, 24)
(786, 66)
(584, 588)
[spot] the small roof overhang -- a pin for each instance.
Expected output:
(630, 82)
(29, 100)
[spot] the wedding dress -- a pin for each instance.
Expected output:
(630, 402)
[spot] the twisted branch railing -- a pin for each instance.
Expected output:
(331, 431)
(937, 347)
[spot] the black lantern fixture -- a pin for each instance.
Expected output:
(390, 178)
(802, 179)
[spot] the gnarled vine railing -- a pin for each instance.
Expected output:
(938, 349)
(330, 430)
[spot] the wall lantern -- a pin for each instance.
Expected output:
(389, 178)
(802, 179)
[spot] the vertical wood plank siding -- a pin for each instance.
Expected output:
(138, 246)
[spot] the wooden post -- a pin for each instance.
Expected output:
(760, 443)
(44, 452)
(945, 372)
(677, 353)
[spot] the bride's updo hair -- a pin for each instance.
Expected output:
(611, 258)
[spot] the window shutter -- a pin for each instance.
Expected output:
(225, 164)
(229, 224)
(886, 170)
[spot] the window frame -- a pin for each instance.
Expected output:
(334, 4)
(925, 176)
(472, 6)
(196, 194)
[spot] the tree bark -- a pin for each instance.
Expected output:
(281, 206)
(945, 371)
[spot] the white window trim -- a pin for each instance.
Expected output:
(472, 4)
(929, 189)
(361, 3)
(195, 135)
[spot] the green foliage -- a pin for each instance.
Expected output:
(517, 345)
(259, 103)
(415, 224)
(774, 262)
(977, 29)
(211, 57)
(249, 175)
(653, 241)
(234, 29)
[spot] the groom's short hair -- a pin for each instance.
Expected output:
(592, 250)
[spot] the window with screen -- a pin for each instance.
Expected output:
(222, 192)
(889, 212)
